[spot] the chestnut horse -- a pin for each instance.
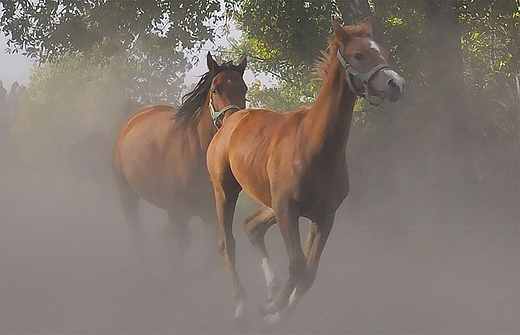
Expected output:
(160, 153)
(294, 164)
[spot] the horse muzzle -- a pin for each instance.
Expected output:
(395, 85)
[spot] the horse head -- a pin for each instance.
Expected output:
(227, 91)
(365, 62)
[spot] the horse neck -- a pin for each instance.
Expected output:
(329, 119)
(205, 127)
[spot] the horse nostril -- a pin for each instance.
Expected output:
(394, 88)
(394, 83)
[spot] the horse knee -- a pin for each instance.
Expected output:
(222, 247)
(226, 248)
(297, 267)
(255, 234)
(305, 284)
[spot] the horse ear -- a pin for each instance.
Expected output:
(212, 65)
(367, 23)
(242, 64)
(341, 34)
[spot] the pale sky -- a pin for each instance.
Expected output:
(13, 67)
(16, 67)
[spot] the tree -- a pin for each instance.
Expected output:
(161, 32)
(284, 39)
(47, 29)
(456, 56)
(73, 96)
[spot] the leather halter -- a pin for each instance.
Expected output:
(364, 77)
(216, 114)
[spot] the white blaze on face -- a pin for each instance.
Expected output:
(374, 46)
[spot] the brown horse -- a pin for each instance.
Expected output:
(295, 163)
(160, 153)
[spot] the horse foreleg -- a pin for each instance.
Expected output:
(130, 204)
(288, 223)
(256, 226)
(319, 232)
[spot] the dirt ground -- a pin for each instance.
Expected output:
(68, 267)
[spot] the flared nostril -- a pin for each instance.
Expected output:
(394, 88)
(396, 85)
(392, 83)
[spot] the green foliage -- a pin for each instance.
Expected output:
(73, 96)
(137, 45)
(47, 29)
(287, 30)
(284, 39)
(284, 97)
(490, 42)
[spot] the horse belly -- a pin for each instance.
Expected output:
(158, 173)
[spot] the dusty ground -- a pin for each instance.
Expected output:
(68, 267)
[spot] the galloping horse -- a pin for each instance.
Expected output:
(294, 164)
(160, 153)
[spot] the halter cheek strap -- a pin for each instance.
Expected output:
(216, 114)
(364, 77)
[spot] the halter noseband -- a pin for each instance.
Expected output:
(216, 114)
(364, 77)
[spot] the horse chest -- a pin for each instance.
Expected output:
(322, 191)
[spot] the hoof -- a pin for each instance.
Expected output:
(277, 316)
(272, 291)
(269, 309)
(240, 317)
(272, 319)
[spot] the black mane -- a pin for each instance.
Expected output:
(193, 101)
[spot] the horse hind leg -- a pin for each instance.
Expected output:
(256, 226)
(130, 205)
(211, 236)
(178, 230)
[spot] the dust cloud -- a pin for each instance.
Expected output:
(396, 261)
(422, 245)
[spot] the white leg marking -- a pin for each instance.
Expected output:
(239, 312)
(272, 319)
(268, 272)
(292, 298)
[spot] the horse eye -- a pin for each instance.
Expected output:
(358, 56)
(214, 90)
